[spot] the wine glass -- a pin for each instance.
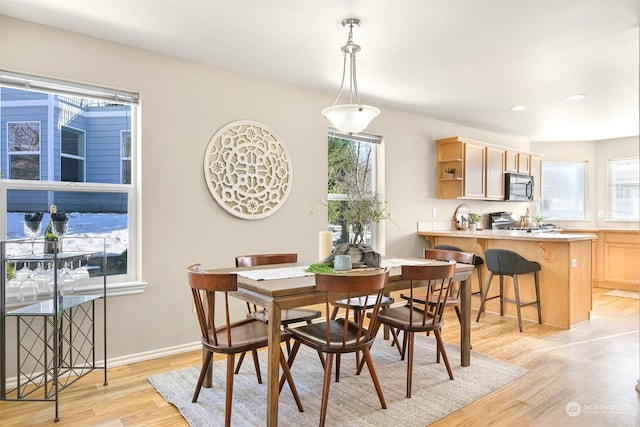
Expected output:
(60, 229)
(32, 230)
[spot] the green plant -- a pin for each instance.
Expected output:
(475, 218)
(450, 170)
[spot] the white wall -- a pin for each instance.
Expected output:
(596, 154)
(183, 104)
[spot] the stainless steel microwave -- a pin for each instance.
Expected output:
(518, 187)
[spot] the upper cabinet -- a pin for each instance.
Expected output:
(480, 168)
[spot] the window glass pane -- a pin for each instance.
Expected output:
(71, 169)
(352, 188)
(72, 142)
(100, 214)
(24, 166)
(624, 189)
(564, 190)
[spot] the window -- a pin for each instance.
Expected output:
(624, 189)
(564, 190)
(71, 155)
(23, 147)
(125, 143)
(353, 197)
(55, 132)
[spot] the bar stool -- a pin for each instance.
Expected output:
(477, 263)
(503, 262)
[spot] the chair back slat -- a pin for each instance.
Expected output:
(450, 255)
(265, 259)
(204, 286)
(368, 283)
(437, 282)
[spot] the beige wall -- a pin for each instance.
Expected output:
(183, 104)
(596, 154)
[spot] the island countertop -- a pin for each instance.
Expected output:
(510, 235)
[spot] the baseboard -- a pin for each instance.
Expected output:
(128, 359)
(153, 354)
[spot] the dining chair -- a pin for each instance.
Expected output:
(434, 283)
(288, 317)
(453, 300)
(228, 337)
(477, 263)
(342, 334)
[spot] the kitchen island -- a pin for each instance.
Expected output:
(565, 277)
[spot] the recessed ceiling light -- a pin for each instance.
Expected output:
(576, 97)
(519, 107)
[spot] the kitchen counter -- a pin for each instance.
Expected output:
(512, 235)
(566, 273)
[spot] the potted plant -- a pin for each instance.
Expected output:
(449, 172)
(475, 221)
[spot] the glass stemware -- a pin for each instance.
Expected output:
(32, 230)
(60, 229)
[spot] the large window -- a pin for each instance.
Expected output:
(624, 189)
(353, 193)
(55, 132)
(564, 190)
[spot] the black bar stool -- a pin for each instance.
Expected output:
(477, 263)
(503, 262)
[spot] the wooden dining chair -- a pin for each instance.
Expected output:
(288, 317)
(433, 283)
(228, 337)
(342, 335)
(454, 298)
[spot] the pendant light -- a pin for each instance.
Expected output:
(352, 117)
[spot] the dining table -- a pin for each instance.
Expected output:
(280, 287)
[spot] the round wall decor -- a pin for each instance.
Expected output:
(248, 169)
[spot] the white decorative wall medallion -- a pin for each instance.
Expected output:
(248, 169)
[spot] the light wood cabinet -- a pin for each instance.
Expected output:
(479, 168)
(536, 173)
(474, 170)
(494, 173)
(511, 161)
(524, 163)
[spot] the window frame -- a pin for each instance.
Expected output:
(613, 188)
(377, 179)
(83, 140)
(549, 182)
(129, 283)
(15, 153)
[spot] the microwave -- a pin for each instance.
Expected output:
(518, 187)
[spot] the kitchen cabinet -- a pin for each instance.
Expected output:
(524, 163)
(536, 173)
(511, 161)
(494, 173)
(479, 168)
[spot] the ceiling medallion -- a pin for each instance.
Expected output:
(248, 169)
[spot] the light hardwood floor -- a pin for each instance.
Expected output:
(595, 365)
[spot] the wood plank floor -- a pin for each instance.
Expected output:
(595, 365)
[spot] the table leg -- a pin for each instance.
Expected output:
(273, 370)
(465, 320)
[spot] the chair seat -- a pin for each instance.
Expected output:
(363, 302)
(398, 317)
(294, 315)
(245, 334)
(314, 335)
(451, 301)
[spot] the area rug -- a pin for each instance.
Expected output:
(624, 294)
(352, 401)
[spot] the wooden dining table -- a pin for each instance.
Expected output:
(277, 294)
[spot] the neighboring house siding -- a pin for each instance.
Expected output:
(102, 127)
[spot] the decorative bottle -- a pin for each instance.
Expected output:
(50, 239)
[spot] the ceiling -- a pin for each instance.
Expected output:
(466, 62)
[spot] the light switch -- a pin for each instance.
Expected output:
(434, 213)
(574, 263)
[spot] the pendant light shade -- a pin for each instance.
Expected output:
(353, 117)
(350, 118)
